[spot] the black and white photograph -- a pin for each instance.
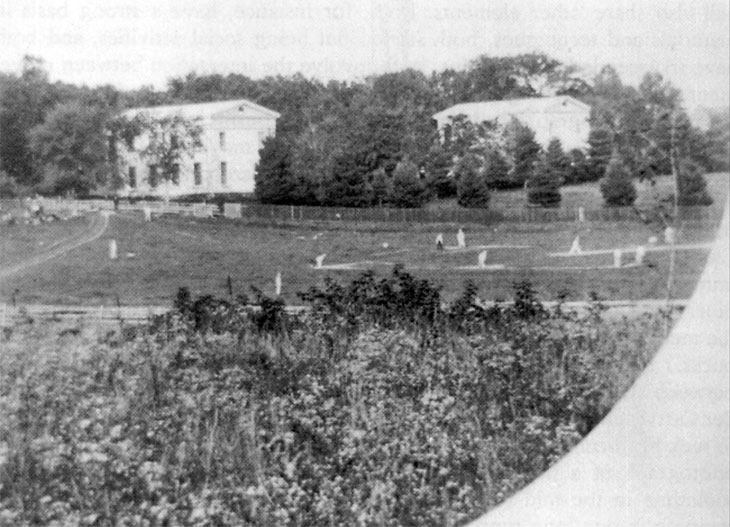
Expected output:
(407, 263)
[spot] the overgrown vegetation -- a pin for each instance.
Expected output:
(379, 406)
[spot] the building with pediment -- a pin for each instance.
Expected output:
(562, 117)
(232, 132)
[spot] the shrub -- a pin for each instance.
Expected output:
(617, 187)
(543, 187)
(471, 185)
(692, 185)
(407, 190)
(8, 186)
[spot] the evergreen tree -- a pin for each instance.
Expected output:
(407, 190)
(274, 180)
(579, 169)
(543, 187)
(558, 162)
(617, 187)
(439, 179)
(599, 152)
(692, 185)
(347, 185)
(382, 187)
(496, 169)
(523, 150)
(471, 187)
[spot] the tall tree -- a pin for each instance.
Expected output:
(407, 190)
(274, 180)
(718, 141)
(692, 185)
(522, 150)
(557, 161)
(24, 102)
(496, 169)
(73, 148)
(617, 186)
(348, 184)
(471, 184)
(543, 186)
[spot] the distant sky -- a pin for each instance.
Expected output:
(130, 43)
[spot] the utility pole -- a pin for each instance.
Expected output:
(675, 209)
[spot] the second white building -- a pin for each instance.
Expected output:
(560, 117)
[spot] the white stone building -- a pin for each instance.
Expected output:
(232, 134)
(561, 117)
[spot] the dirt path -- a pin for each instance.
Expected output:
(97, 227)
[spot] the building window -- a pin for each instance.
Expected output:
(133, 177)
(197, 174)
(176, 175)
(152, 178)
(222, 139)
(224, 173)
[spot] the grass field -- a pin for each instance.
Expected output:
(20, 242)
(201, 254)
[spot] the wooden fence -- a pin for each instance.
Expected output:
(157, 207)
(294, 214)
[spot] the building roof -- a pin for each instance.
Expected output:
(208, 110)
(488, 110)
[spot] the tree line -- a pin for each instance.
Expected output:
(364, 143)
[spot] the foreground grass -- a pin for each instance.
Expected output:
(373, 410)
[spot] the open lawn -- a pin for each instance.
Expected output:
(157, 258)
(20, 242)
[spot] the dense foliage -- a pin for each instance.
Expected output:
(543, 187)
(617, 186)
(471, 187)
(337, 135)
(379, 406)
(692, 185)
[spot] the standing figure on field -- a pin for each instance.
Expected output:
(575, 246)
(482, 260)
(460, 239)
(439, 242)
